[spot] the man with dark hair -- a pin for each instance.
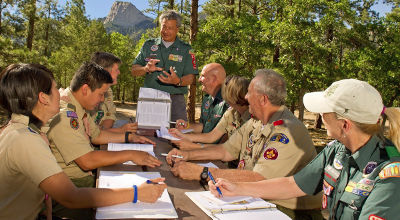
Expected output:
(73, 130)
(168, 64)
(104, 113)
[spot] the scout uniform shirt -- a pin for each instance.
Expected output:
(69, 136)
(26, 160)
(232, 120)
(212, 110)
(105, 110)
(278, 149)
(179, 56)
(362, 185)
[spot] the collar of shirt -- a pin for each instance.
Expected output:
(367, 153)
(267, 128)
(79, 110)
(159, 41)
(218, 97)
(23, 119)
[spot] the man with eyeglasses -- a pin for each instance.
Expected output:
(168, 63)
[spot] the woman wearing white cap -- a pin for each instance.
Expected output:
(357, 171)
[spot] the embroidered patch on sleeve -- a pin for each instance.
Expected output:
(390, 170)
(375, 217)
(74, 123)
(72, 114)
(280, 137)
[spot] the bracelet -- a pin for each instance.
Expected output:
(127, 136)
(180, 82)
(135, 194)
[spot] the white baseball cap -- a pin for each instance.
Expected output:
(350, 98)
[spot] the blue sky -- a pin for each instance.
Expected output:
(100, 8)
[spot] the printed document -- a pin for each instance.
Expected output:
(238, 207)
(129, 146)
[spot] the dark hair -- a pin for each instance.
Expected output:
(104, 59)
(91, 74)
(20, 86)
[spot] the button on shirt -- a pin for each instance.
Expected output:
(212, 110)
(351, 185)
(179, 56)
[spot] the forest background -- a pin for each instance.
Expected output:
(311, 42)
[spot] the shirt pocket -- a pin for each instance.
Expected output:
(352, 204)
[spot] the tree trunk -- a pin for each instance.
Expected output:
(232, 8)
(191, 107)
(123, 95)
(240, 8)
(1, 12)
(181, 7)
(31, 26)
(275, 59)
(301, 105)
(318, 122)
(293, 106)
(171, 4)
(46, 36)
(158, 13)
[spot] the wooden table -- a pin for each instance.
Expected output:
(185, 208)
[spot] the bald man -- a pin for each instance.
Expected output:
(213, 107)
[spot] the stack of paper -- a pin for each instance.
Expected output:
(163, 208)
(163, 133)
(239, 207)
(141, 147)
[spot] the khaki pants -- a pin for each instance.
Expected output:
(76, 214)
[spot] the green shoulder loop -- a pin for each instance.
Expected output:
(71, 106)
(392, 151)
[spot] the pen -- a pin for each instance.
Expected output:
(150, 182)
(176, 156)
(173, 122)
(212, 179)
(131, 119)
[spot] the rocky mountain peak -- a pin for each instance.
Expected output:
(125, 14)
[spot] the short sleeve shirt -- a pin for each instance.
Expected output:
(352, 183)
(212, 110)
(232, 120)
(68, 136)
(26, 160)
(105, 110)
(277, 149)
(179, 56)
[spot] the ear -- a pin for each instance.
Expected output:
(85, 89)
(43, 98)
(264, 99)
(347, 125)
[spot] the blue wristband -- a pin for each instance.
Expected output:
(135, 194)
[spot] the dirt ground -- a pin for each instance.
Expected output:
(320, 139)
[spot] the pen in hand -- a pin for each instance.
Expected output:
(176, 156)
(213, 180)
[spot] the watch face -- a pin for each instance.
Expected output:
(204, 175)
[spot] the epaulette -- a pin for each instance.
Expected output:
(71, 106)
(32, 128)
(278, 122)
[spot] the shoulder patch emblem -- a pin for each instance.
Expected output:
(241, 164)
(280, 137)
(74, 123)
(390, 170)
(99, 116)
(72, 114)
(271, 154)
(207, 105)
(369, 167)
(375, 217)
(154, 48)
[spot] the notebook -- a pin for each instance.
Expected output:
(162, 209)
(239, 207)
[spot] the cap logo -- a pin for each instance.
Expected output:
(329, 91)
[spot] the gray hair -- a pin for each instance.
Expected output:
(272, 84)
(171, 15)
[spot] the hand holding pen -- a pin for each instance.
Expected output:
(213, 181)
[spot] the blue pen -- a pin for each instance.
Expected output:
(150, 182)
(213, 180)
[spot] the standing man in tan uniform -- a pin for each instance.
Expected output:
(105, 113)
(275, 144)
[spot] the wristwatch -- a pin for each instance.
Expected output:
(204, 174)
(180, 82)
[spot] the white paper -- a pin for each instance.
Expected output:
(140, 147)
(163, 208)
(209, 164)
(163, 133)
(149, 93)
(153, 114)
(235, 207)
